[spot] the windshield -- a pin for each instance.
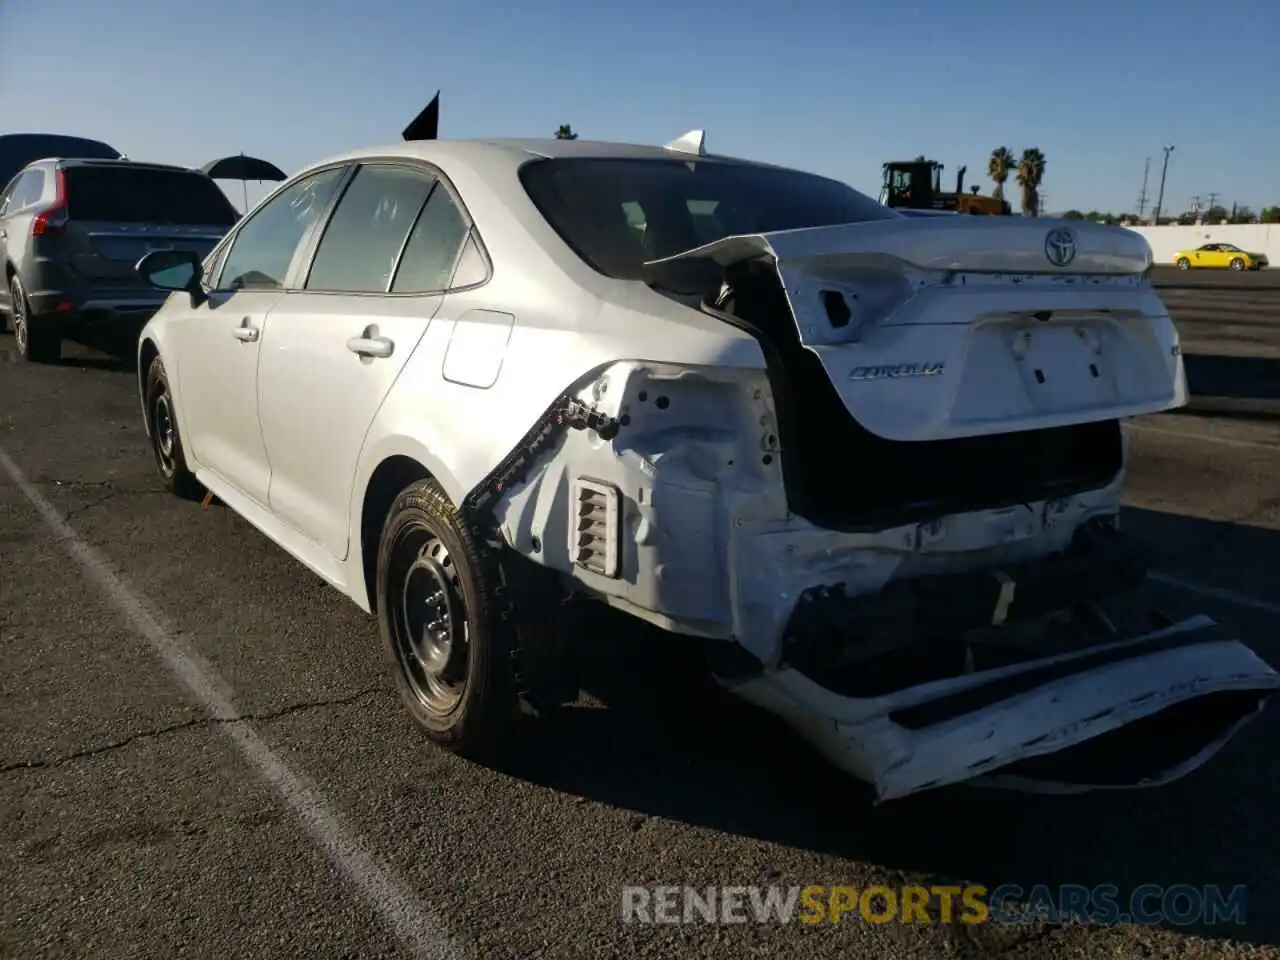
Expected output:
(618, 213)
(125, 194)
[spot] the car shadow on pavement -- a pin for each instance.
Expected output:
(1210, 410)
(105, 363)
(668, 744)
(1246, 378)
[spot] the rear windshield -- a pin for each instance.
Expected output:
(141, 195)
(618, 213)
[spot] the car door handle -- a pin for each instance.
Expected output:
(367, 346)
(246, 332)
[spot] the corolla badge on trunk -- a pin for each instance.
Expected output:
(894, 371)
(1060, 246)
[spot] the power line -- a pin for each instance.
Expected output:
(1213, 200)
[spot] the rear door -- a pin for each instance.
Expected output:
(119, 212)
(333, 349)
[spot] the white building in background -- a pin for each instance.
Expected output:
(1254, 237)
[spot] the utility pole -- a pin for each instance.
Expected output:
(1142, 197)
(1195, 207)
(1163, 173)
(1213, 200)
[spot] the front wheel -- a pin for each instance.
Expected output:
(1184, 263)
(1237, 264)
(166, 442)
(441, 616)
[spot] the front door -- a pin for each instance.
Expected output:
(333, 349)
(219, 341)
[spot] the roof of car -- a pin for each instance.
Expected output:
(532, 147)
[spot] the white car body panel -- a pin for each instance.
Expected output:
(943, 343)
(860, 735)
(219, 388)
(308, 374)
(933, 351)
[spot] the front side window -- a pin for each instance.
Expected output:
(367, 231)
(263, 248)
(619, 213)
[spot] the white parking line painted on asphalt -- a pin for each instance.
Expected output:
(408, 917)
(1217, 593)
(1226, 441)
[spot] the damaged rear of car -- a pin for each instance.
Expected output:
(903, 536)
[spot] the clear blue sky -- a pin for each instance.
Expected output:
(1098, 85)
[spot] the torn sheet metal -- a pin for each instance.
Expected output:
(969, 727)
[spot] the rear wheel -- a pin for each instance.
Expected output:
(166, 443)
(36, 340)
(1237, 264)
(1184, 263)
(444, 634)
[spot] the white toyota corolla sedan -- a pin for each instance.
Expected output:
(872, 464)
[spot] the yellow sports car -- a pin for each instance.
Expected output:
(1221, 255)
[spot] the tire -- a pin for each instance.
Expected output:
(460, 690)
(1183, 263)
(37, 342)
(1237, 264)
(166, 442)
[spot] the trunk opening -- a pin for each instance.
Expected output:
(822, 444)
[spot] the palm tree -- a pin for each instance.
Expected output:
(998, 167)
(1030, 176)
(566, 133)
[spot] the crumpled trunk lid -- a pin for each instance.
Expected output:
(944, 327)
(1127, 714)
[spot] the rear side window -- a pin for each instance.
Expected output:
(127, 194)
(367, 231)
(617, 213)
(432, 251)
(26, 192)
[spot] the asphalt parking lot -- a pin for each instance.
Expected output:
(308, 819)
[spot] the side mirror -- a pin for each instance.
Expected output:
(172, 270)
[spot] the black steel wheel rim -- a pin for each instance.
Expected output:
(164, 433)
(429, 619)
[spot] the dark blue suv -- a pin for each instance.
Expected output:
(71, 231)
